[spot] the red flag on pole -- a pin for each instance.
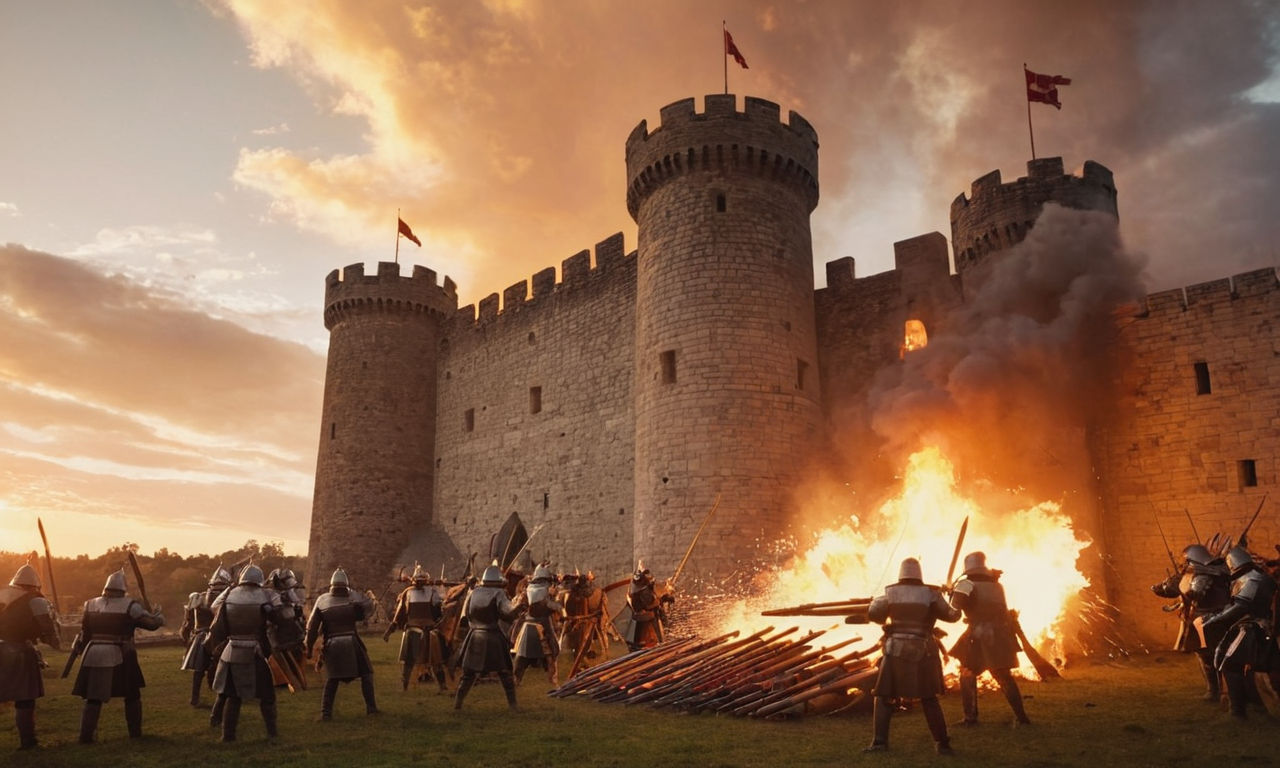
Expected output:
(732, 50)
(404, 230)
(1044, 88)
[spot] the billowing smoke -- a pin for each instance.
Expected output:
(1009, 383)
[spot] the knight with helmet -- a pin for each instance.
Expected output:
(336, 614)
(989, 643)
(197, 618)
(241, 617)
(1204, 587)
(418, 612)
(536, 643)
(1248, 645)
(486, 648)
(647, 601)
(25, 617)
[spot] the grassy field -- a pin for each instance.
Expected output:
(1132, 714)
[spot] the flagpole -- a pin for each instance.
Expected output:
(397, 235)
(1029, 130)
(724, 54)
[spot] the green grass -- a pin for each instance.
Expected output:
(1132, 714)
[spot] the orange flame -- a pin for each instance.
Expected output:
(1036, 547)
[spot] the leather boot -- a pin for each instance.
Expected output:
(405, 675)
(269, 717)
(366, 690)
(881, 712)
(215, 715)
(25, 718)
(1213, 691)
(196, 679)
(89, 721)
(969, 696)
(133, 717)
(326, 699)
(937, 725)
(1012, 694)
(464, 686)
(230, 719)
(509, 685)
(440, 679)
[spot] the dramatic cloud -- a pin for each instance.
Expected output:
(498, 126)
(121, 402)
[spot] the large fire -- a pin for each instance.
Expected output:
(1035, 547)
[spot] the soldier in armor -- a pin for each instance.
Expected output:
(536, 642)
(196, 621)
(286, 637)
(647, 601)
(25, 617)
(1248, 645)
(419, 611)
(336, 615)
(910, 664)
(989, 642)
(486, 648)
(1204, 587)
(241, 617)
(109, 664)
(586, 624)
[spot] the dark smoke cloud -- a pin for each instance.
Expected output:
(1014, 375)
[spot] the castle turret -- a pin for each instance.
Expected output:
(726, 386)
(996, 216)
(375, 470)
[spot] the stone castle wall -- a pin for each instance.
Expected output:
(569, 465)
(1169, 449)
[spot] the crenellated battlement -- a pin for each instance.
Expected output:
(1204, 296)
(996, 215)
(754, 141)
(575, 272)
(354, 292)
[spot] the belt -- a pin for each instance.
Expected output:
(111, 639)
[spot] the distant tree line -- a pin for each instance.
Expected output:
(169, 577)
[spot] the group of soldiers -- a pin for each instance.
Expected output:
(1227, 606)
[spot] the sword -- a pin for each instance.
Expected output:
(142, 586)
(955, 554)
(671, 582)
(48, 566)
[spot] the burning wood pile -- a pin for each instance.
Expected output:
(767, 674)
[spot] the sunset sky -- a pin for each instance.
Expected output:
(176, 178)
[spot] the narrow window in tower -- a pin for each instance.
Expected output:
(801, 368)
(1247, 469)
(469, 420)
(914, 337)
(535, 399)
(1202, 379)
(720, 204)
(669, 367)
(546, 500)
(333, 430)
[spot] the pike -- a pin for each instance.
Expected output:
(711, 676)
(833, 608)
(657, 679)
(643, 663)
(587, 677)
(955, 553)
(142, 585)
(1168, 551)
(840, 683)
(671, 582)
(48, 566)
(746, 673)
(1194, 532)
(816, 675)
(1243, 541)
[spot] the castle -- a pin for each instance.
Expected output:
(616, 406)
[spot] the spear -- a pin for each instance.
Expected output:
(48, 566)
(1194, 532)
(841, 683)
(706, 677)
(1243, 541)
(835, 608)
(674, 668)
(1168, 551)
(671, 582)
(819, 674)
(747, 676)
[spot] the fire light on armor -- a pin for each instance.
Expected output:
(1035, 546)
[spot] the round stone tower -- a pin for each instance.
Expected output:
(726, 382)
(375, 470)
(996, 216)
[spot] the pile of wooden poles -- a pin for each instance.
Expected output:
(768, 674)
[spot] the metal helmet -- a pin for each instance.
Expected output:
(419, 576)
(910, 569)
(26, 576)
(115, 583)
(642, 573)
(221, 577)
(543, 573)
(975, 562)
(339, 578)
(1197, 553)
(251, 574)
(288, 578)
(1238, 558)
(492, 576)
